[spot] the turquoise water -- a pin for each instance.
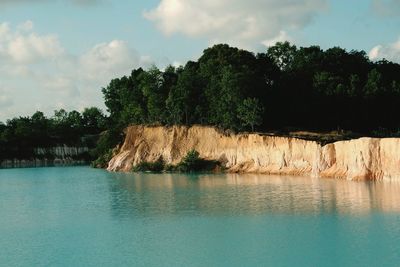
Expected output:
(84, 217)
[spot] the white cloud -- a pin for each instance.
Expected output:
(108, 60)
(33, 48)
(26, 26)
(390, 52)
(282, 37)
(234, 21)
(61, 84)
(386, 7)
(25, 46)
(44, 74)
(374, 53)
(5, 99)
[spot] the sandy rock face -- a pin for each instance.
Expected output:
(365, 158)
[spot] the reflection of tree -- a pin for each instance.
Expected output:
(249, 194)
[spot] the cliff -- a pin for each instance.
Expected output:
(358, 159)
(50, 156)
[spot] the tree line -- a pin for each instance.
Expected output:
(20, 136)
(285, 87)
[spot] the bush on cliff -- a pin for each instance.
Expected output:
(193, 163)
(103, 151)
(190, 163)
(103, 160)
(145, 166)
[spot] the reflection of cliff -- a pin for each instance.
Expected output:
(358, 159)
(59, 155)
(154, 194)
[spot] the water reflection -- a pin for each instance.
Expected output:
(227, 194)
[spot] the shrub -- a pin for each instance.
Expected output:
(193, 163)
(190, 163)
(103, 160)
(145, 166)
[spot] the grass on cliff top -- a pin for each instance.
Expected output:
(189, 164)
(320, 137)
(327, 137)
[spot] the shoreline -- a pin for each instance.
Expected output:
(40, 163)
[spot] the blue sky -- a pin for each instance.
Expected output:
(59, 53)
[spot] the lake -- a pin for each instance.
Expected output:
(78, 216)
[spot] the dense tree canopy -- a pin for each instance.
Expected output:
(287, 86)
(20, 136)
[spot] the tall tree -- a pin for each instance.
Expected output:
(250, 113)
(283, 55)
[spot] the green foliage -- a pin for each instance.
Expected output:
(193, 163)
(103, 160)
(93, 119)
(155, 93)
(190, 163)
(250, 113)
(19, 137)
(303, 87)
(283, 54)
(184, 102)
(373, 85)
(107, 141)
(157, 166)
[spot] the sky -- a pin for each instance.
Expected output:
(60, 53)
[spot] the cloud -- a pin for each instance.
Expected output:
(5, 99)
(234, 21)
(106, 59)
(386, 7)
(282, 37)
(390, 52)
(43, 74)
(26, 26)
(24, 46)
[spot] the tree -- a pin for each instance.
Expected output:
(155, 95)
(229, 99)
(327, 84)
(75, 120)
(355, 85)
(112, 98)
(250, 113)
(184, 102)
(60, 116)
(373, 85)
(133, 102)
(39, 126)
(283, 55)
(93, 120)
(191, 162)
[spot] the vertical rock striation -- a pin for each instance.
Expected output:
(358, 159)
(51, 156)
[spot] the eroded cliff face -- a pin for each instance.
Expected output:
(359, 159)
